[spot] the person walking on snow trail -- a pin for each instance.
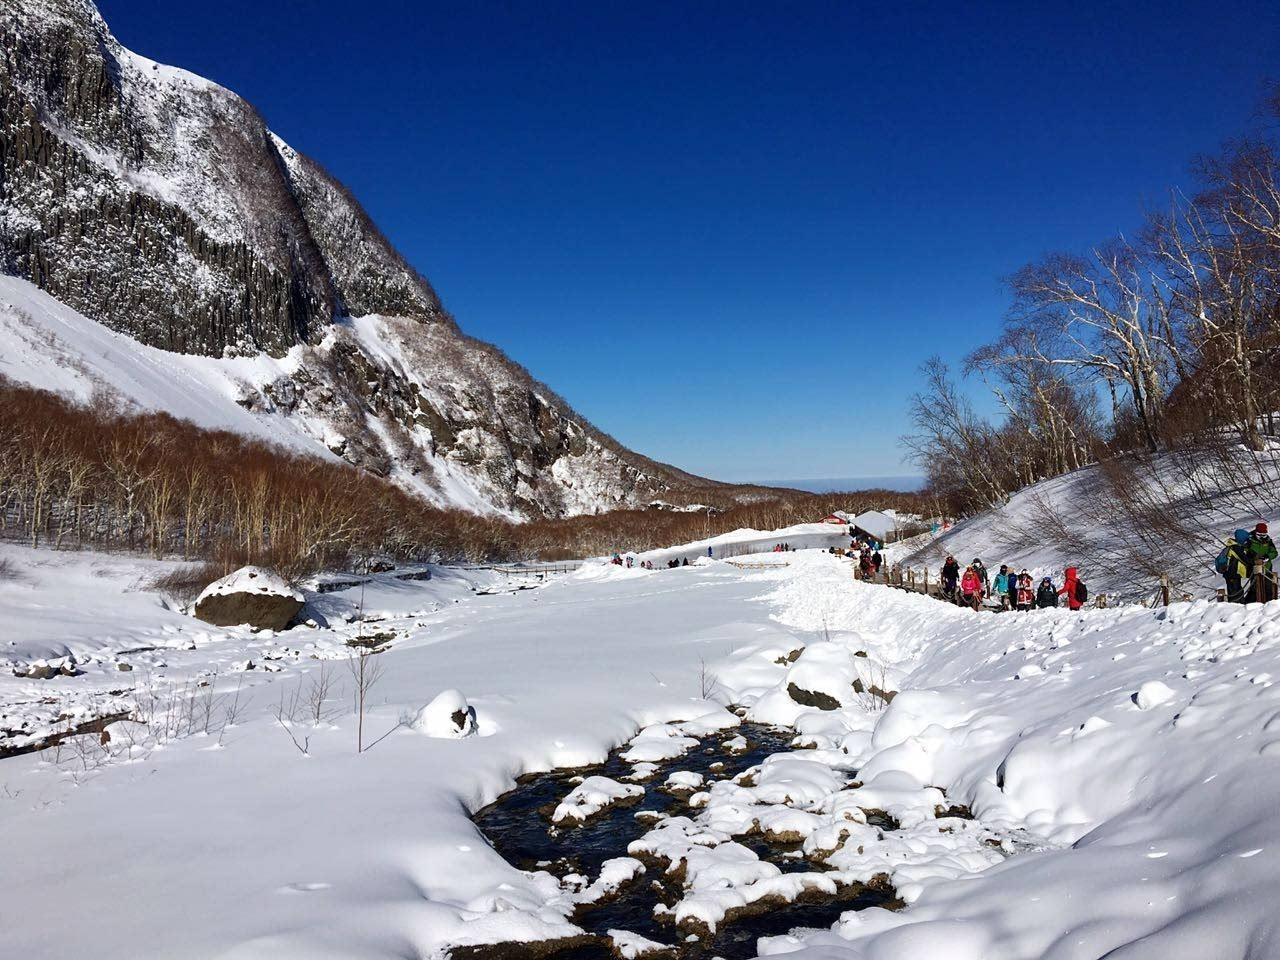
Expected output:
(1234, 563)
(1073, 589)
(1001, 587)
(950, 575)
(1047, 595)
(980, 569)
(971, 588)
(1262, 550)
(1025, 596)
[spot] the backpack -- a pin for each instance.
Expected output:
(1082, 592)
(1221, 562)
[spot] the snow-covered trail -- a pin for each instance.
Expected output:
(1128, 755)
(1136, 749)
(192, 849)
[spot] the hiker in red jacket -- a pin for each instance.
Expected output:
(1073, 589)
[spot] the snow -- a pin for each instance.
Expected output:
(591, 796)
(250, 580)
(755, 544)
(439, 718)
(1121, 793)
(1152, 694)
(48, 345)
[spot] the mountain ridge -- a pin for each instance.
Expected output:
(161, 205)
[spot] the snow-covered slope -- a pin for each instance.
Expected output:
(300, 401)
(160, 205)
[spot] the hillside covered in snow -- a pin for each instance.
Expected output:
(1125, 522)
(160, 206)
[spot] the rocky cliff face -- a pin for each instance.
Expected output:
(160, 204)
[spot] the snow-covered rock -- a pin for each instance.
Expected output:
(448, 716)
(251, 595)
(591, 796)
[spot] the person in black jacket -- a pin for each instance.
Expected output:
(1047, 595)
(950, 574)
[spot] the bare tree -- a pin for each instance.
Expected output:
(365, 666)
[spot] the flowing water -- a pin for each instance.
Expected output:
(518, 826)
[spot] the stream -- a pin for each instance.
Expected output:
(518, 826)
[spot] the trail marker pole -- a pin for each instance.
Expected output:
(1164, 589)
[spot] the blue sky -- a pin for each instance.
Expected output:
(729, 233)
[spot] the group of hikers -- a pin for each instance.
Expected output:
(868, 557)
(1010, 590)
(629, 561)
(1245, 562)
(782, 548)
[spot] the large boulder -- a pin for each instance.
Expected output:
(251, 596)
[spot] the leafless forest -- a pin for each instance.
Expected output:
(92, 476)
(1155, 355)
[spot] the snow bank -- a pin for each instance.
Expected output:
(250, 580)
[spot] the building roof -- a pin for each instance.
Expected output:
(874, 522)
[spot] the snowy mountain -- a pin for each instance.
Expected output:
(159, 205)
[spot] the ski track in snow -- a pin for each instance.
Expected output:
(1126, 760)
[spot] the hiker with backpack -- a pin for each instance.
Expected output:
(1001, 587)
(950, 576)
(1262, 550)
(1074, 590)
(1047, 595)
(1234, 563)
(1025, 597)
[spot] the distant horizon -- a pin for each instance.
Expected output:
(904, 483)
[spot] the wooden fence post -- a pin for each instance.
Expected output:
(1222, 594)
(1164, 589)
(1258, 595)
(926, 581)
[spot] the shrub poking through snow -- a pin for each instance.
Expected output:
(252, 596)
(447, 717)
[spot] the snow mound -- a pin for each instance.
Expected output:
(1152, 694)
(250, 580)
(447, 717)
(591, 796)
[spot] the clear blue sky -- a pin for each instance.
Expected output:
(729, 233)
